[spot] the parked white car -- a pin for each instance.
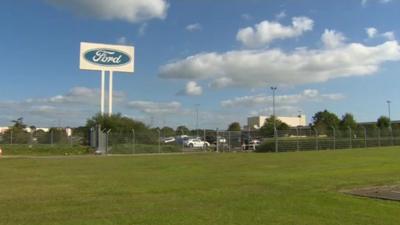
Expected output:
(196, 143)
(168, 140)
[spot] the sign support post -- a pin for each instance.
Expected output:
(110, 94)
(102, 92)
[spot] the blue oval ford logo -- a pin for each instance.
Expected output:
(107, 57)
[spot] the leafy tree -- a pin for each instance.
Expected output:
(16, 133)
(348, 121)
(235, 126)
(181, 130)
(383, 122)
(116, 123)
(18, 123)
(54, 136)
(167, 132)
(325, 120)
(268, 128)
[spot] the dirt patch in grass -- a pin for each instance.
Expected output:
(378, 192)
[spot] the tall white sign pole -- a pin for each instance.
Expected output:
(102, 92)
(110, 94)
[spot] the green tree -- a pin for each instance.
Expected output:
(383, 122)
(235, 126)
(116, 123)
(325, 120)
(16, 133)
(348, 121)
(181, 130)
(268, 128)
(167, 132)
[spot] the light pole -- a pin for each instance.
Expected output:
(197, 119)
(273, 105)
(273, 114)
(299, 117)
(390, 120)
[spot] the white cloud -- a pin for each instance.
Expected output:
(389, 35)
(268, 31)
(259, 68)
(192, 89)
(149, 107)
(280, 15)
(283, 100)
(332, 38)
(127, 10)
(194, 27)
(364, 2)
(372, 32)
(246, 16)
(142, 29)
(122, 40)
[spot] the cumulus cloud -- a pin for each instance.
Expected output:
(280, 15)
(332, 38)
(364, 2)
(122, 40)
(258, 68)
(284, 100)
(246, 16)
(372, 32)
(149, 107)
(268, 31)
(127, 10)
(73, 107)
(194, 27)
(192, 89)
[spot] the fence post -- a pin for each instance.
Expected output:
(379, 137)
(52, 137)
(107, 140)
(298, 138)
(350, 140)
(316, 139)
(365, 138)
(276, 140)
(391, 135)
(159, 141)
(334, 138)
(133, 141)
(217, 139)
(229, 141)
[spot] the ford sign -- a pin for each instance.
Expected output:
(107, 57)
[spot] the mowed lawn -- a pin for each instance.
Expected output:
(204, 189)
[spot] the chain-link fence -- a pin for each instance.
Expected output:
(156, 141)
(51, 137)
(296, 139)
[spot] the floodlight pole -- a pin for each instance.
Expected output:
(110, 94)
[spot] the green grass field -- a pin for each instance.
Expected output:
(242, 188)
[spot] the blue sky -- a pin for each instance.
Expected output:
(222, 55)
